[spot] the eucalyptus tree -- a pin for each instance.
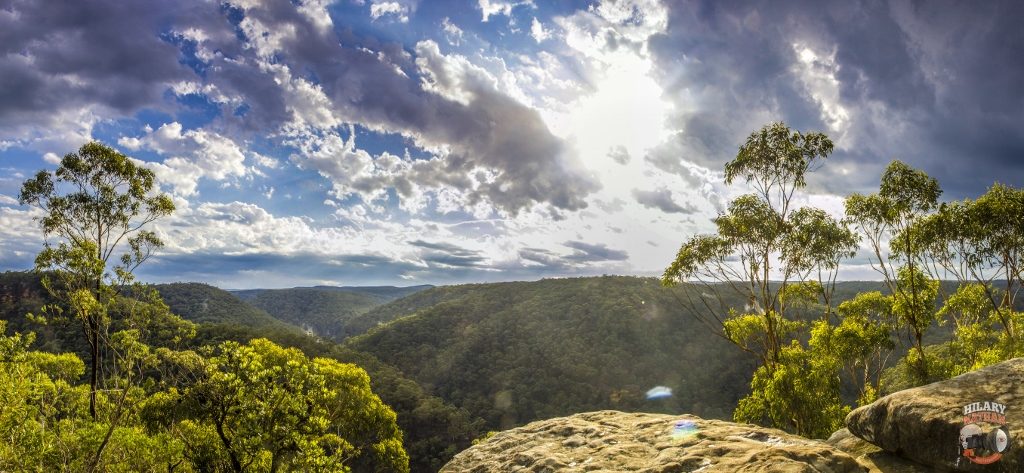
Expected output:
(980, 244)
(978, 241)
(94, 206)
(763, 245)
(886, 219)
(777, 257)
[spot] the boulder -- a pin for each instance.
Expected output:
(612, 441)
(924, 423)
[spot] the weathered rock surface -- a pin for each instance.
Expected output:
(612, 441)
(875, 459)
(923, 423)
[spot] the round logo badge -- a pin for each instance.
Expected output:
(984, 437)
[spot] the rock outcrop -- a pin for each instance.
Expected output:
(924, 423)
(612, 441)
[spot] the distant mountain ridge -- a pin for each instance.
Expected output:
(203, 303)
(325, 311)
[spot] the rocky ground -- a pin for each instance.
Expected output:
(916, 430)
(612, 441)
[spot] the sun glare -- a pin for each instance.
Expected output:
(625, 110)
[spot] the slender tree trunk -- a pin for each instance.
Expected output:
(94, 346)
(94, 342)
(235, 464)
(920, 350)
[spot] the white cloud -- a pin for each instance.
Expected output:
(264, 161)
(453, 77)
(190, 155)
(20, 236)
(51, 158)
(61, 132)
(8, 200)
(537, 31)
(316, 12)
(452, 32)
(380, 9)
(349, 169)
(490, 8)
(818, 73)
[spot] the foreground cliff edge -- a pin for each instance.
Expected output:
(620, 441)
(916, 430)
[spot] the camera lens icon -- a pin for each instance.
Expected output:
(972, 437)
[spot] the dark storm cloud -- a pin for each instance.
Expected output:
(490, 130)
(65, 54)
(661, 199)
(541, 256)
(125, 55)
(582, 256)
(593, 252)
(447, 254)
(936, 84)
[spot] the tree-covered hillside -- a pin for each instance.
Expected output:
(203, 303)
(520, 351)
(319, 311)
(433, 430)
(326, 311)
(404, 306)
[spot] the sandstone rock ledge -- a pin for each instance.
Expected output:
(612, 441)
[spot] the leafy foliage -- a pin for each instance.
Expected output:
(761, 237)
(802, 392)
(434, 430)
(265, 407)
(281, 409)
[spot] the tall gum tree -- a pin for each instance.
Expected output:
(762, 236)
(768, 261)
(95, 205)
(886, 219)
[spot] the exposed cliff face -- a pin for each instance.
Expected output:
(617, 441)
(924, 423)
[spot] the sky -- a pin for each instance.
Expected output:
(403, 142)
